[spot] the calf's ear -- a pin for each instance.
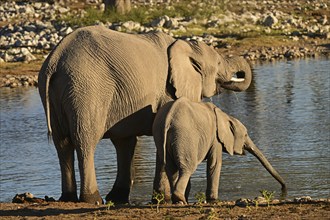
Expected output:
(224, 133)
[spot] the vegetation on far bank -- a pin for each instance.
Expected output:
(239, 33)
(203, 11)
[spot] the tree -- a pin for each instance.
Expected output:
(120, 6)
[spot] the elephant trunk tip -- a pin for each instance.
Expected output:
(283, 185)
(284, 191)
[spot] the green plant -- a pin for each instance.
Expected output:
(110, 204)
(247, 203)
(256, 202)
(145, 14)
(268, 195)
(212, 214)
(159, 197)
(201, 199)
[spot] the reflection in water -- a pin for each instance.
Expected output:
(286, 111)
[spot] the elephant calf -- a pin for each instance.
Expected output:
(187, 132)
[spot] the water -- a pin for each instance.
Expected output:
(286, 111)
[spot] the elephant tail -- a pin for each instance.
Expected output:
(47, 71)
(166, 128)
(169, 108)
(47, 108)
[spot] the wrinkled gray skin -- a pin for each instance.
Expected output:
(98, 83)
(186, 133)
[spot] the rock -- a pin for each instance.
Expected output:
(171, 23)
(295, 38)
(37, 5)
(302, 199)
(131, 25)
(28, 57)
(159, 22)
(25, 51)
(8, 58)
(327, 35)
(30, 27)
(295, 33)
(18, 43)
(63, 10)
(243, 202)
(65, 31)
(26, 198)
(13, 85)
(270, 21)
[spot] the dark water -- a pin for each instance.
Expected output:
(286, 111)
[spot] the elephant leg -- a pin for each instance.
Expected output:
(178, 195)
(125, 170)
(161, 182)
(88, 189)
(172, 174)
(187, 192)
(69, 186)
(214, 163)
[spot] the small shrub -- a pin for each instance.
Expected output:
(159, 197)
(201, 199)
(268, 195)
(110, 204)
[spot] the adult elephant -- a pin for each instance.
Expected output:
(98, 83)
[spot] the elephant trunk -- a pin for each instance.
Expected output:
(239, 73)
(251, 148)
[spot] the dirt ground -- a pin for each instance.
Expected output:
(226, 210)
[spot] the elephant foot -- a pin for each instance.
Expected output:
(178, 198)
(118, 195)
(69, 197)
(94, 198)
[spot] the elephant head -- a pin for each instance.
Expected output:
(234, 138)
(195, 66)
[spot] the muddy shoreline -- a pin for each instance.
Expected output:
(312, 209)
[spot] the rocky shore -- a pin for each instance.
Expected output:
(14, 81)
(267, 30)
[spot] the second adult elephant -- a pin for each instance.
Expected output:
(187, 132)
(98, 83)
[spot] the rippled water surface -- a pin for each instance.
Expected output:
(286, 111)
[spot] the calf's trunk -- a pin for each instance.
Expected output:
(251, 148)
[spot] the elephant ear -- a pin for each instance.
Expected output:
(224, 132)
(185, 69)
(230, 132)
(239, 132)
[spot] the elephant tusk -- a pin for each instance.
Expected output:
(234, 79)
